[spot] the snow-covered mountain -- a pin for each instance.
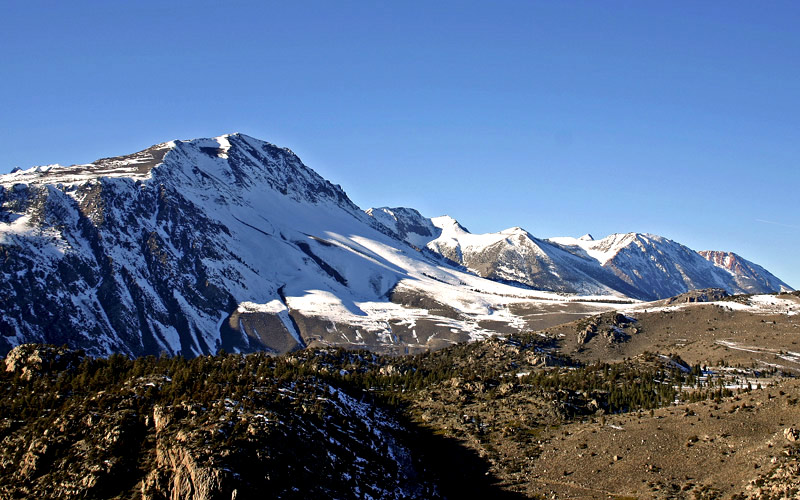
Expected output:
(642, 266)
(512, 255)
(230, 242)
(659, 267)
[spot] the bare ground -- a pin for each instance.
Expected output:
(699, 450)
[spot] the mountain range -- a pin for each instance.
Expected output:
(233, 243)
(641, 266)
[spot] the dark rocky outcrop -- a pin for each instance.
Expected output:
(704, 295)
(30, 360)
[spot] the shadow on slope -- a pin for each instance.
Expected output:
(459, 471)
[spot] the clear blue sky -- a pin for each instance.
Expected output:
(563, 117)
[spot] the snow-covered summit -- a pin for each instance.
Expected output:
(516, 230)
(225, 242)
(606, 248)
(449, 225)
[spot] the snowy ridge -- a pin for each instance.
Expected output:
(656, 266)
(642, 266)
(511, 255)
(136, 166)
(601, 250)
(227, 242)
(408, 224)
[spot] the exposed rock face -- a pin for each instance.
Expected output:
(612, 327)
(179, 474)
(705, 295)
(29, 360)
(586, 334)
(749, 277)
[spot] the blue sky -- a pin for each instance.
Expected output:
(675, 118)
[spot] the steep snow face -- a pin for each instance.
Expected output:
(227, 242)
(748, 276)
(601, 250)
(449, 226)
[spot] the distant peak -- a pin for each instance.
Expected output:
(239, 135)
(445, 222)
(514, 230)
(586, 237)
(394, 211)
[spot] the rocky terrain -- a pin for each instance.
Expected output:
(743, 446)
(629, 404)
(705, 327)
(749, 277)
(215, 427)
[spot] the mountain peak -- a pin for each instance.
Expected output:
(229, 163)
(407, 223)
(586, 237)
(514, 230)
(449, 225)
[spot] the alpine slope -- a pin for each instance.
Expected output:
(233, 243)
